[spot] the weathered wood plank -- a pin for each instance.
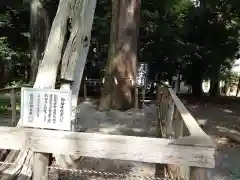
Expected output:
(143, 149)
(192, 125)
(40, 174)
(179, 172)
(47, 71)
(75, 55)
(199, 174)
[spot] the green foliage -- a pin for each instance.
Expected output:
(175, 36)
(14, 41)
(197, 42)
(6, 54)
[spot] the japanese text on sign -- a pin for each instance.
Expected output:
(46, 108)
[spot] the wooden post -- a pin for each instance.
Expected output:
(49, 65)
(136, 105)
(85, 89)
(198, 173)
(143, 95)
(73, 64)
(170, 113)
(180, 130)
(13, 106)
(159, 168)
(41, 160)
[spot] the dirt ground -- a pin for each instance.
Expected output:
(132, 122)
(214, 117)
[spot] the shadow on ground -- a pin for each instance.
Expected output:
(214, 116)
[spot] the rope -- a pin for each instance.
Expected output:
(91, 172)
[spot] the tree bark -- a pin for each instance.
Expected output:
(238, 87)
(106, 99)
(39, 29)
(214, 86)
(119, 86)
(226, 85)
(2, 75)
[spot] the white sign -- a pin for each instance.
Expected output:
(142, 74)
(46, 108)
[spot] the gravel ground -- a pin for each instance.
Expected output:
(133, 123)
(210, 117)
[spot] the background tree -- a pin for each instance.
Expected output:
(121, 68)
(175, 37)
(14, 56)
(40, 21)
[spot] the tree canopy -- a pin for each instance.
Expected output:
(198, 40)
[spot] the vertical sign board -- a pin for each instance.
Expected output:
(46, 108)
(142, 72)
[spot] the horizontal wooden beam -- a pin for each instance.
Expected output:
(143, 149)
(15, 87)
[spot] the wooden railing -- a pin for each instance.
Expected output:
(183, 146)
(175, 122)
(13, 99)
(140, 96)
(13, 92)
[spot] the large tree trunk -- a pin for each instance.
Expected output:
(118, 90)
(106, 99)
(39, 29)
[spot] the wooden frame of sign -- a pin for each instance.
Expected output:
(46, 108)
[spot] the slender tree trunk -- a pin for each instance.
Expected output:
(2, 75)
(118, 90)
(238, 87)
(214, 84)
(39, 29)
(197, 86)
(225, 88)
(214, 88)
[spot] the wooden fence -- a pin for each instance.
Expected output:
(181, 144)
(176, 122)
(13, 92)
(140, 96)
